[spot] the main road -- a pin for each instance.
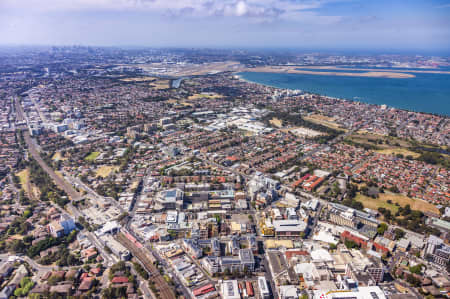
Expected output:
(70, 191)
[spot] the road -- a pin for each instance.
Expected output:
(20, 116)
(67, 187)
(13, 186)
(74, 195)
(36, 106)
(90, 191)
(269, 276)
(207, 275)
(104, 280)
(41, 269)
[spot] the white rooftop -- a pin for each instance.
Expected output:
(372, 292)
(321, 255)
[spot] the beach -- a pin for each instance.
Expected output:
(297, 70)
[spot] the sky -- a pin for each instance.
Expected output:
(301, 24)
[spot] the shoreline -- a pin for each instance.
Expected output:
(340, 68)
(239, 76)
(297, 70)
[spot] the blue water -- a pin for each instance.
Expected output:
(332, 70)
(424, 93)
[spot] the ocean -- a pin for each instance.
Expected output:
(425, 93)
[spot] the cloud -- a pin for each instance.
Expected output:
(259, 9)
(241, 8)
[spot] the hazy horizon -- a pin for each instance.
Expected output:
(250, 50)
(315, 25)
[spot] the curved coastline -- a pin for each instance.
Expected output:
(418, 107)
(368, 69)
(297, 70)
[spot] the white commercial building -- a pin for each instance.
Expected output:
(263, 288)
(372, 292)
(230, 290)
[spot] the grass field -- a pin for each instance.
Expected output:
(92, 156)
(375, 203)
(383, 144)
(187, 104)
(134, 185)
(24, 177)
(323, 120)
(139, 79)
(31, 190)
(160, 84)
(276, 122)
(381, 141)
(381, 201)
(272, 243)
(204, 96)
(105, 170)
(395, 151)
(57, 156)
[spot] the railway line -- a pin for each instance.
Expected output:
(165, 290)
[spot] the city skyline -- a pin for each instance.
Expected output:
(321, 25)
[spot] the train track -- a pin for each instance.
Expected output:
(60, 182)
(165, 291)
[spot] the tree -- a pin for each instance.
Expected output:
(417, 269)
(122, 216)
(226, 272)
(382, 228)
(365, 190)
(406, 210)
(16, 246)
(399, 233)
(394, 189)
(27, 213)
(140, 270)
(53, 280)
(25, 286)
(351, 190)
(350, 244)
(414, 281)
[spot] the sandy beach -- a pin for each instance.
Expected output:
(296, 70)
(373, 69)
